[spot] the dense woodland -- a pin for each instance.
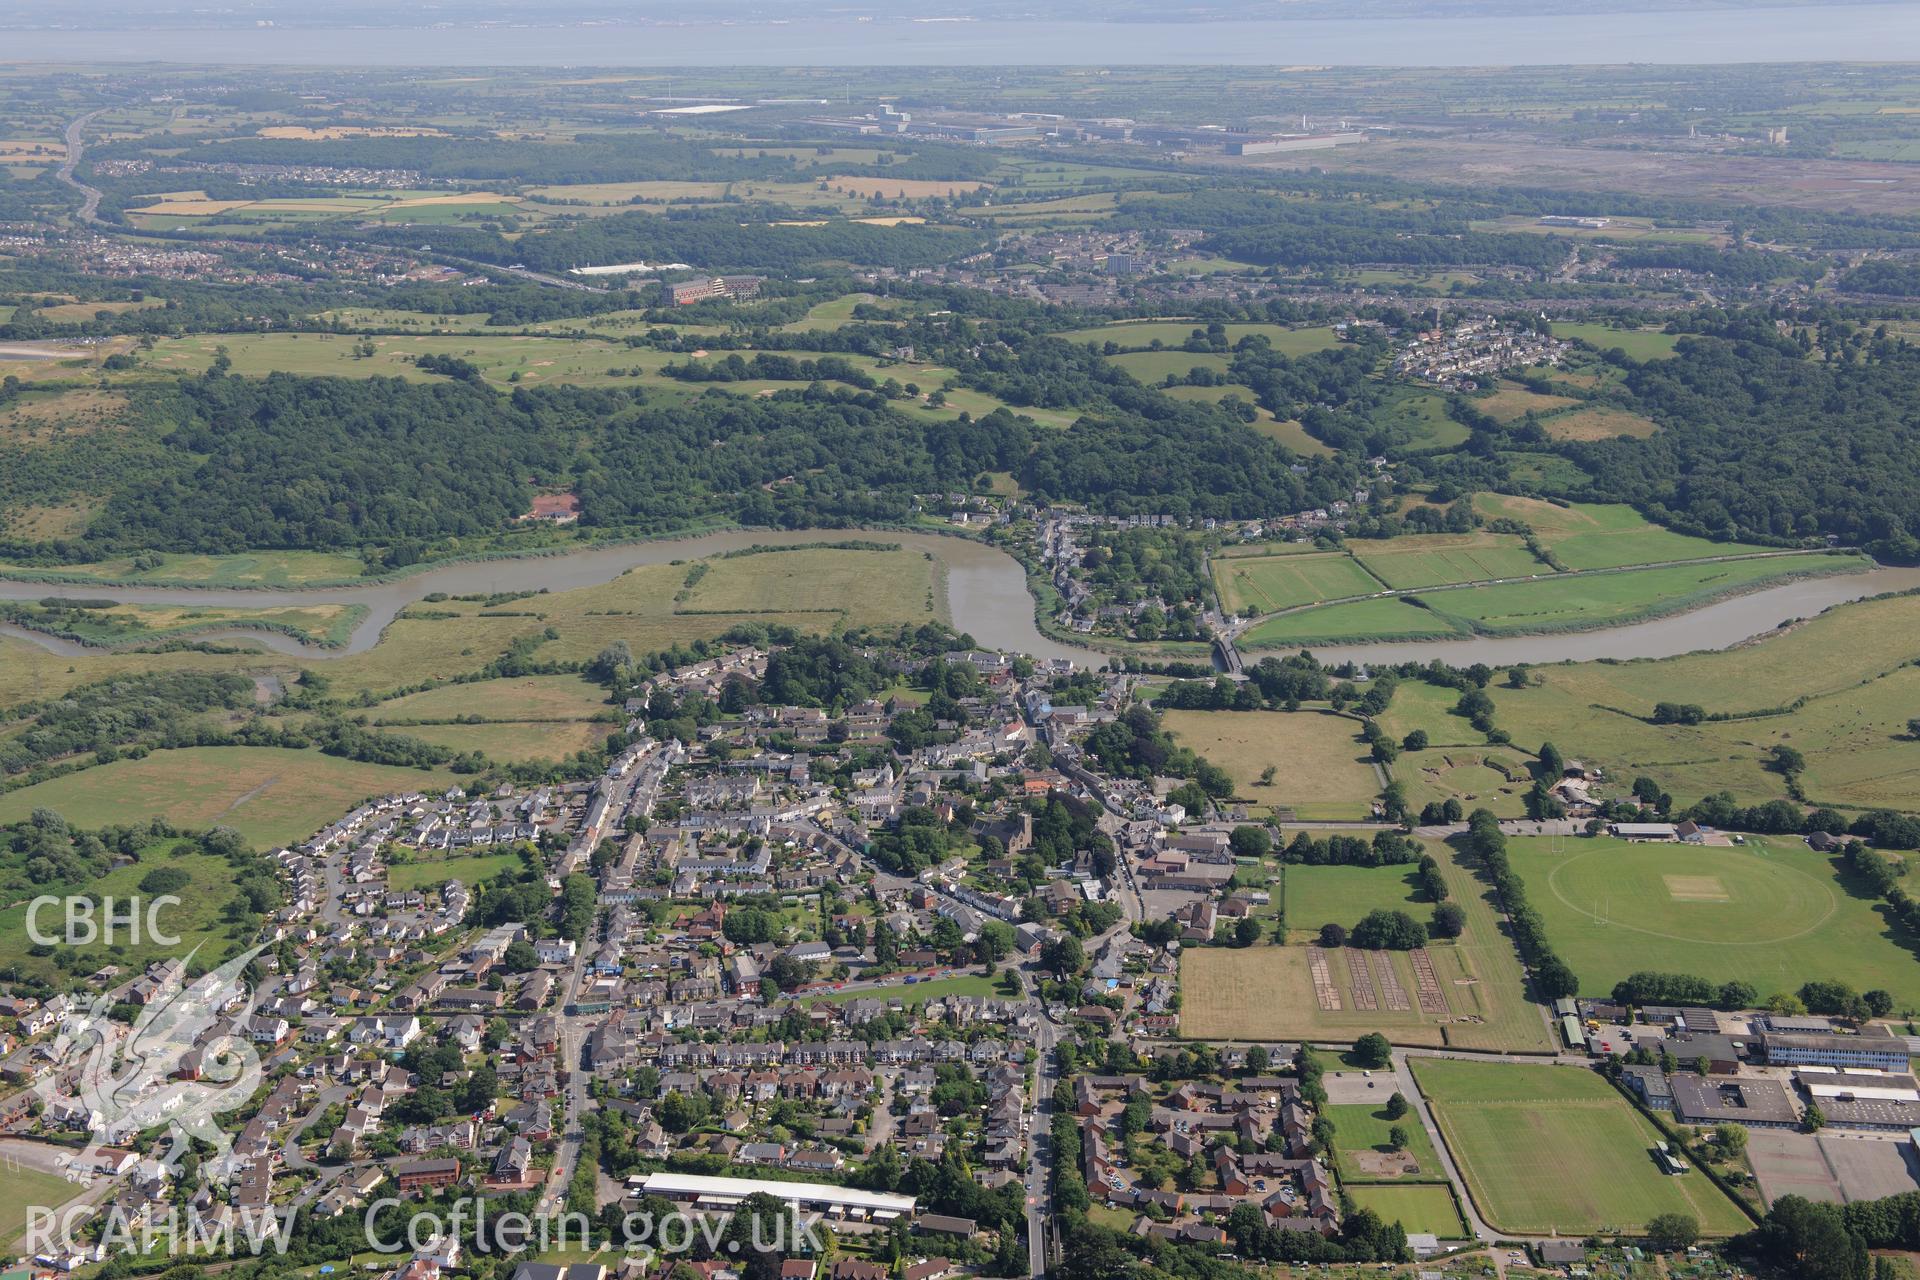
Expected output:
(1758, 440)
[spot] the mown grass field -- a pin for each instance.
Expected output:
(270, 795)
(1266, 992)
(1432, 559)
(1416, 1208)
(1267, 583)
(195, 919)
(1313, 896)
(1152, 367)
(1362, 1128)
(468, 868)
(1549, 1149)
(966, 984)
(30, 1189)
(1139, 335)
(1772, 913)
(1641, 344)
(1319, 767)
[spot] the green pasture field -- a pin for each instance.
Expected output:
(127, 624)
(270, 795)
(1093, 206)
(1269, 583)
(1510, 402)
(1467, 774)
(832, 313)
(1362, 1127)
(1543, 470)
(1640, 344)
(518, 698)
(509, 360)
(1358, 621)
(1214, 395)
(1435, 559)
(979, 404)
(1423, 414)
(1313, 896)
(823, 589)
(536, 359)
(1579, 601)
(1419, 705)
(1266, 992)
(1152, 367)
(1598, 422)
(29, 672)
(515, 741)
(1548, 1149)
(1416, 1208)
(195, 919)
(1589, 535)
(1851, 667)
(1139, 335)
(1294, 436)
(468, 868)
(815, 589)
(1320, 769)
(250, 569)
(1771, 912)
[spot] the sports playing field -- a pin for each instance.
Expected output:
(1555, 1150)
(1416, 1208)
(1773, 913)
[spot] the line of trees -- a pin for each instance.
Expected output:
(1552, 977)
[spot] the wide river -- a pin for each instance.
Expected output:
(1813, 33)
(986, 594)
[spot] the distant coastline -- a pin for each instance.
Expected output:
(1694, 36)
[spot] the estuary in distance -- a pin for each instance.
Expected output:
(1815, 33)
